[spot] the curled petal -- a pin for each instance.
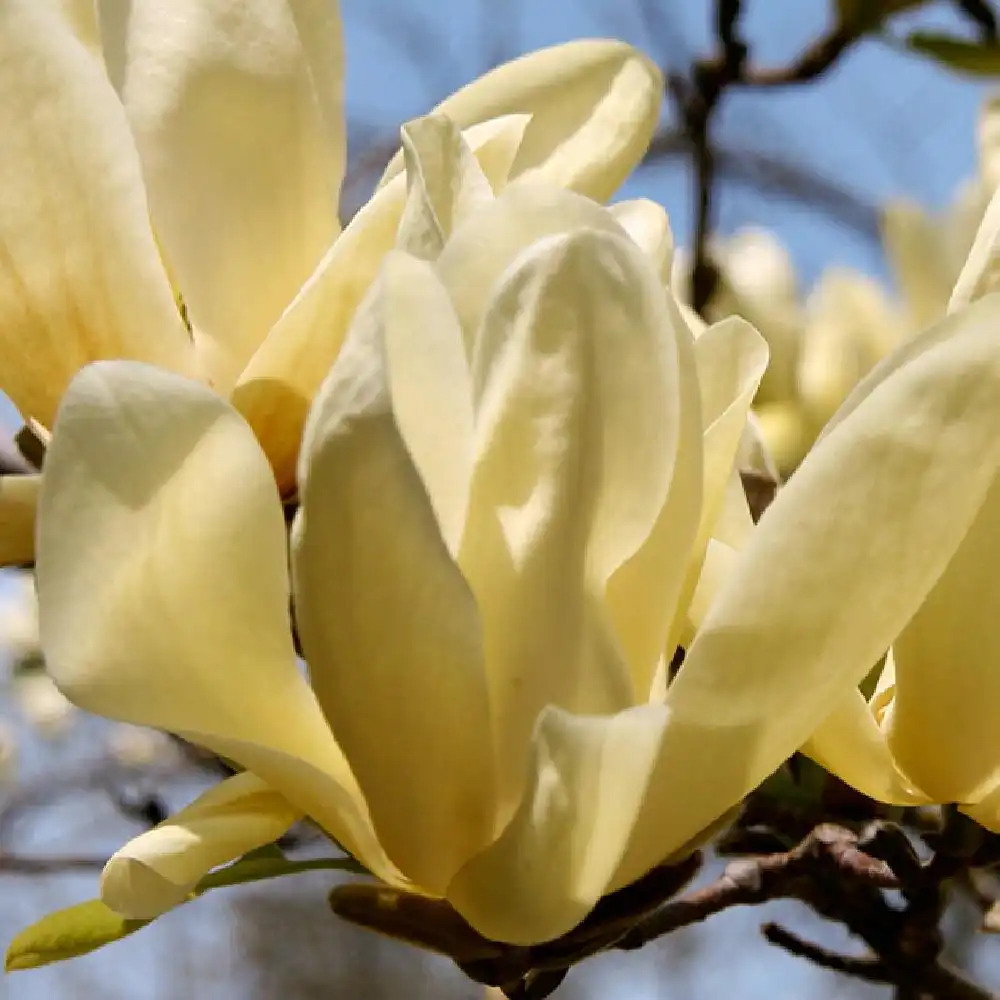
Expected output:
(594, 105)
(158, 869)
(444, 184)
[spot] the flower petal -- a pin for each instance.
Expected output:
(835, 568)
(946, 713)
(558, 854)
(981, 273)
(916, 251)
(18, 499)
(576, 375)
(158, 869)
(238, 119)
(409, 703)
(647, 223)
(731, 357)
(444, 184)
(80, 274)
(281, 379)
(488, 242)
(593, 103)
(850, 744)
(163, 586)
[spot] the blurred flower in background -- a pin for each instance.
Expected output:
(825, 340)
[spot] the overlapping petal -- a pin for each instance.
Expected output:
(576, 435)
(274, 391)
(810, 610)
(594, 105)
(237, 114)
(80, 274)
(163, 589)
(388, 624)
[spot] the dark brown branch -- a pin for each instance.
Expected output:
(867, 969)
(699, 98)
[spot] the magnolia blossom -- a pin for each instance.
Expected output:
(517, 490)
(169, 192)
(931, 730)
(824, 342)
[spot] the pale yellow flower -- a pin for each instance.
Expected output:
(887, 539)
(169, 190)
(508, 483)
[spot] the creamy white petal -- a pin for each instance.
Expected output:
(444, 184)
(946, 713)
(489, 241)
(281, 379)
(647, 223)
(850, 744)
(557, 856)
(831, 574)
(80, 274)
(576, 376)
(158, 869)
(593, 103)
(236, 110)
(163, 586)
(389, 627)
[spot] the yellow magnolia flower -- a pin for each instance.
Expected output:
(169, 191)
(885, 544)
(508, 483)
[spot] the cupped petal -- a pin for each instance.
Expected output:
(163, 586)
(576, 378)
(389, 626)
(237, 114)
(80, 274)
(444, 184)
(557, 856)
(944, 729)
(594, 105)
(158, 869)
(490, 240)
(833, 571)
(275, 389)
(850, 744)
(18, 500)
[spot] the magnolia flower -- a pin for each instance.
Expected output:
(930, 731)
(169, 190)
(926, 251)
(509, 482)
